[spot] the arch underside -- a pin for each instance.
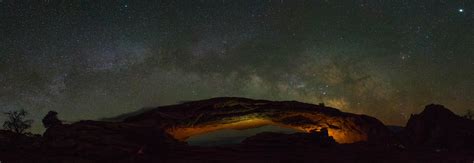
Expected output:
(340, 128)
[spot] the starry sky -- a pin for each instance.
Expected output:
(91, 59)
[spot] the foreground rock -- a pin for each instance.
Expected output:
(198, 117)
(106, 142)
(150, 136)
(14, 146)
(437, 126)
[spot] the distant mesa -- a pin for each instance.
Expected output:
(437, 126)
(199, 117)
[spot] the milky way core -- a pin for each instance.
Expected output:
(95, 59)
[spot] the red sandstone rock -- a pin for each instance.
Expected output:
(197, 117)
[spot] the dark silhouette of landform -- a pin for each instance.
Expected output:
(290, 132)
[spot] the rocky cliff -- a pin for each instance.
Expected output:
(437, 126)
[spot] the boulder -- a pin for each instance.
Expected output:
(51, 119)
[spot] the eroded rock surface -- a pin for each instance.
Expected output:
(193, 118)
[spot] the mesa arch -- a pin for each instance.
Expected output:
(199, 117)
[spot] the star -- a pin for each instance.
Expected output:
(405, 57)
(255, 50)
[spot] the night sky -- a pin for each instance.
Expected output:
(91, 59)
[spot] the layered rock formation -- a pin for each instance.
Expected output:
(193, 118)
(439, 127)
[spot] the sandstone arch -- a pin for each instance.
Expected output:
(198, 117)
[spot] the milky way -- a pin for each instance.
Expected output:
(89, 59)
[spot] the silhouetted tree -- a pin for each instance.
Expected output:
(51, 119)
(469, 115)
(16, 121)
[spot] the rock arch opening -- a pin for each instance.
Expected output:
(259, 124)
(231, 133)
